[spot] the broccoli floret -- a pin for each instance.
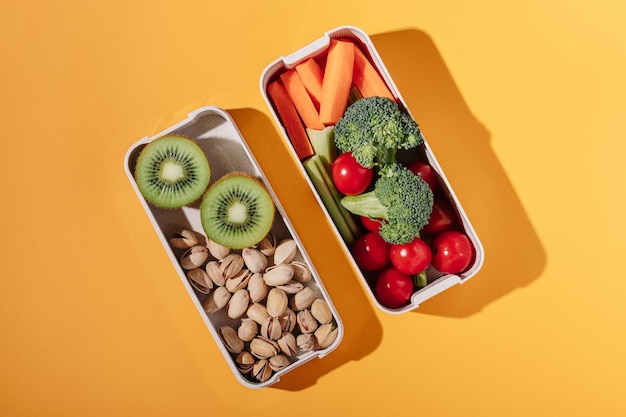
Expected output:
(402, 199)
(373, 129)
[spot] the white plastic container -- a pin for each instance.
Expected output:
(216, 133)
(437, 281)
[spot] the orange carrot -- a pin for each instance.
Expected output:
(311, 75)
(366, 79)
(290, 119)
(301, 99)
(337, 80)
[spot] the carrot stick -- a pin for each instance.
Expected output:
(367, 79)
(311, 75)
(290, 119)
(337, 80)
(301, 99)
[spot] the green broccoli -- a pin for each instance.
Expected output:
(402, 199)
(373, 129)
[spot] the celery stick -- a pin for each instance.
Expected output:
(323, 142)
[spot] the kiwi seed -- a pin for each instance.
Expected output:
(237, 211)
(172, 171)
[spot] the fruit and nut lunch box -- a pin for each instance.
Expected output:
(261, 299)
(317, 55)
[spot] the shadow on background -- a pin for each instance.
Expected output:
(514, 256)
(363, 331)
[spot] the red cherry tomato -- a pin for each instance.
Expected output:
(411, 258)
(373, 225)
(442, 217)
(452, 251)
(371, 252)
(425, 172)
(349, 176)
(393, 288)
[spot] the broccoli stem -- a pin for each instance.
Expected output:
(387, 156)
(366, 204)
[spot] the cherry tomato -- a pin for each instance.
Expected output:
(425, 172)
(411, 258)
(371, 252)
(452, 251)
(349, 176)
(373, 225)
(442, 217)
(393, 288)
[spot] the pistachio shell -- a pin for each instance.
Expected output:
(279, 362)
(271, 328)
(287, 344)
(278, 275)
(254, 259)
(277, 301)
(199, 279)
(257, 288)
(248, 329)
(231, 340)
(218, 251)
(325, 335)
(263, 348)
(184, 239)
(301, 272)
(194, 257)
(303, 299)
(216, 300)
(261, 371)
(213, 269)
(245, 361)
(321, 311)
(239, 281)
(231, 265)
(257, 312)
(267, 246)
(238, 304)
(285, 251)
(291, 287)
(306, 321)
(306, 342)
(288, 320)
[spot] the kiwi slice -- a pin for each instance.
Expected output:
(237, 211)
(172, 171)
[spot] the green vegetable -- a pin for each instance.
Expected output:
(373, 129)
(323, 142)
(402, 199)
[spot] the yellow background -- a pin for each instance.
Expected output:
(523, 103)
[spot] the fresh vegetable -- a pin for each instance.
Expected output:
(337, 80)
(373, 225)
(399, 197)
(371, 252)
(452, 252)
(393, 288)
(411, 258)
(350, 177)
(373, 129)
(312, 76)
(441, 218)
(301, 99)
(367, 79)
(291, 120)
(323, 142)
(426, 172)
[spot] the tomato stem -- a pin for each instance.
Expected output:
(420, 280)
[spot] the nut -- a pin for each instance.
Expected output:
(263, 348)
(321, 311)
(218, 251)
(261, 371)
(278, 362)
(213, 269)
(238, 304)
(248, 329)
(306, 342)
(231, 340)
(194, 257)
(325, 335)
(216, 300)
(267, 246)
(285, 251)
(271, 328)
(277, 301)
(257, 288)
(291, 287)
(306, 321)
(231, 265)
(199, 279)
(239, 281)
(287, 344)
(254, 259)
(288, 320)
(257, 312)
(301, 272)
(184, 239)
(303, 299)
(245, 361)
(278, 275)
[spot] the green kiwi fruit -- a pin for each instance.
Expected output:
(172, 171)
(237, 211)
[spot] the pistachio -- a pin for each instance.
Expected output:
(303, 299)
(288, 320)
(325, 335)
(278, 275)
(306, 342)
(261, 371)
(321, 311)
(254, 259)
(306, 321)
(287, 344)
(285, 251)
(231, 265)
(267, 246)
(184, 239)
(239, 281)
(257, 312)
(199, 279)
(291, 287)
(218, 251)
(271, 328)
(231, 340)
(301, 272)
(245, 361)
(263, 348)
(238, 304)
(213, 269)
(278, 362)
(277, 301)
(257, 288)
(194, 257)
(216, 300)
(248, 329)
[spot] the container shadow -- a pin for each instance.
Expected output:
(362, 329)
(514, 255)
